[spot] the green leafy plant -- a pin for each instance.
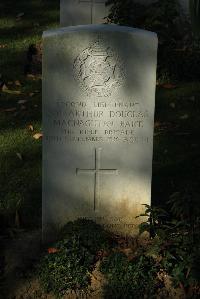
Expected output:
(154, 224)
(130, 279)
(68, 268)
(185, 205)
(173, 243)
(178, 53)
(90, 234)
(71, 260)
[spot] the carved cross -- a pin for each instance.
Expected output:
(92, 4)
(97, 171)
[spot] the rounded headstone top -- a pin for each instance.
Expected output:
(99, 28)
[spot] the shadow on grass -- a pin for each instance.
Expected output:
(46, 11)
(20, 177)
(176, 160)
(21, 183)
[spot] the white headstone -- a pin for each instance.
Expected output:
(82, 12)
(185, 6)
(98, 118)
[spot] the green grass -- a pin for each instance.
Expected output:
(176, 143)
(20, 153)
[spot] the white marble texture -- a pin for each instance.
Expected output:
(82, 12)
(98, 118)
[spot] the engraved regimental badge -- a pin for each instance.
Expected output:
(98, 70)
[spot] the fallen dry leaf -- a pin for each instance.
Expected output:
(157, 124)
(3, 46)
(30, 76)
(10, 109)
(19, 15)
(17, 219)
(172, 105)
(17, 83)
(188, 272)
(37, 136)
(30, 127)
(19, 156)
(52, 250)
(21, 102)
(6, 90)
(168, 86)
(4, 87)
(185, 116)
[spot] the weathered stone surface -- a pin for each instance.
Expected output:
(98, 115)
(82, 12)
